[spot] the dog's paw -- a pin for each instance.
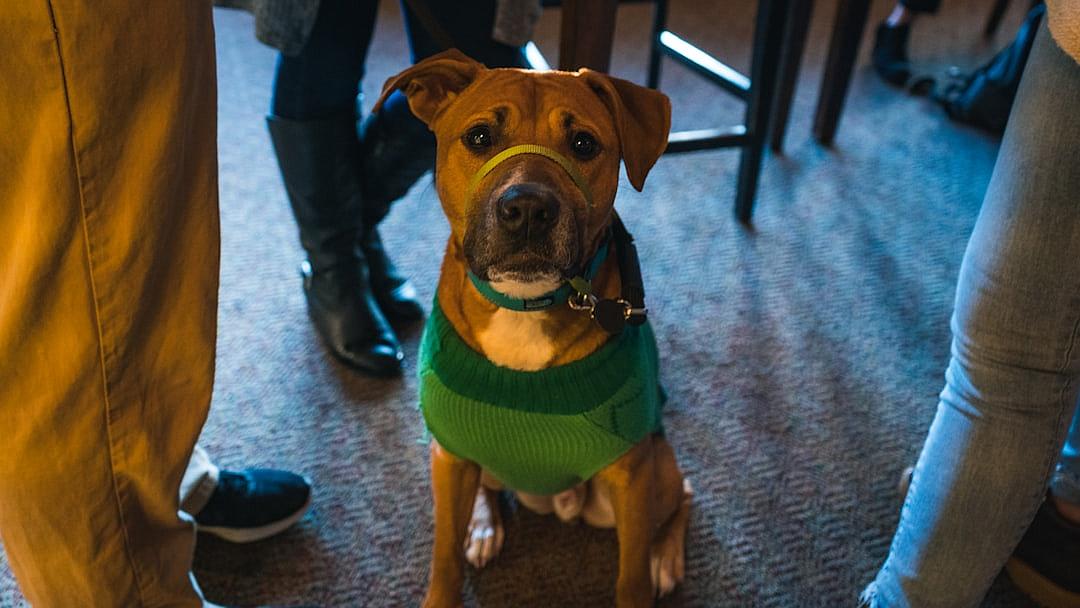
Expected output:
(667, 564)
(484, 540)
(568, 505)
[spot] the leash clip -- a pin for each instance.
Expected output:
(611, 315)
(582, 301)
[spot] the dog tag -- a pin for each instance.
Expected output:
(611, 315)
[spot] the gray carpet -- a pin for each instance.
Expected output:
(803, 357)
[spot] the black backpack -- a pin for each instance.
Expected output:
(984, 97)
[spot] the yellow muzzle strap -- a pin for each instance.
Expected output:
(567, 165)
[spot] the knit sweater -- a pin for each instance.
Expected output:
(545, 431)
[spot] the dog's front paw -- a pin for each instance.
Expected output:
(667, 563)
(485, 538)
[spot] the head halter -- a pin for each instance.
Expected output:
(567, 165)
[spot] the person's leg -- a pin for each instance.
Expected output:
(323, 79)
(890, 54)
(108, 317)
(907, 10)
(1012, 384)
(397, 147)
(313, 128)
(1046, 563)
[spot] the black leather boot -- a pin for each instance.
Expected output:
(318, 164)
(396, 149)
(890, 56)
(394, 293)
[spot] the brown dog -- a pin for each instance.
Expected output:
(522, 222)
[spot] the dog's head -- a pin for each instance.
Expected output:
(528, 162)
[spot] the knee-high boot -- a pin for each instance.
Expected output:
(396, 150)
(318, 160)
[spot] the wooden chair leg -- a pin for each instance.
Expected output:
(768, 40)
(798, 23)
(588, 30)
(660, 12)
(847, 32)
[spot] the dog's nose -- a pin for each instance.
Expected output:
(527, 208)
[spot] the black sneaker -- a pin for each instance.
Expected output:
(1046, 563)
(890, 57)
(254, 504)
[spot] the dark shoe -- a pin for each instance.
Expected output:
(254, 504)
(890, 56)
(318, 160)
(347, 316)
(1046, 563)
(393, 292)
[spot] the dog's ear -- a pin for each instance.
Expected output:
(433, 83)
(642, 118)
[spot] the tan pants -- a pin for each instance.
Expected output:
(108, 291)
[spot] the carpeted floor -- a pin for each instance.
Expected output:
(803, 356)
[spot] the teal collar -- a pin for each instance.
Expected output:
(545, 301)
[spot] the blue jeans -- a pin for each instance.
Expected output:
(1002, 429)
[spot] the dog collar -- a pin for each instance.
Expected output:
(567, 165)
(545, 301)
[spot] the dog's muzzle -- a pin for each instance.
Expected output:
(567, 165)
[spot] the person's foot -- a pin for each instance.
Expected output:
(347, 316)
(890, 56)
(254, 504)
(1046, 563)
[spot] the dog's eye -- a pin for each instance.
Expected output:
(584, 145)
(479, 137)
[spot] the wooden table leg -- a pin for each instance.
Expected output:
(847, 33)
(588, 30)
(798, 23)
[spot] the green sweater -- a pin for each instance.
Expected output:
(539, 432)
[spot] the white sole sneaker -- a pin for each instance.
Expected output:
(250, 535)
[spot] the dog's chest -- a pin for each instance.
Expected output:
(517, 340)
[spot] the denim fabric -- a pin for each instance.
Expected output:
(1013, 379)
(323, 79)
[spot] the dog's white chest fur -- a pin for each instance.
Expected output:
(517, 340)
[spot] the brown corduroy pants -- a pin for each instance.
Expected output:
(108, 293)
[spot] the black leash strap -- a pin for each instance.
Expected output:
(633, 287)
